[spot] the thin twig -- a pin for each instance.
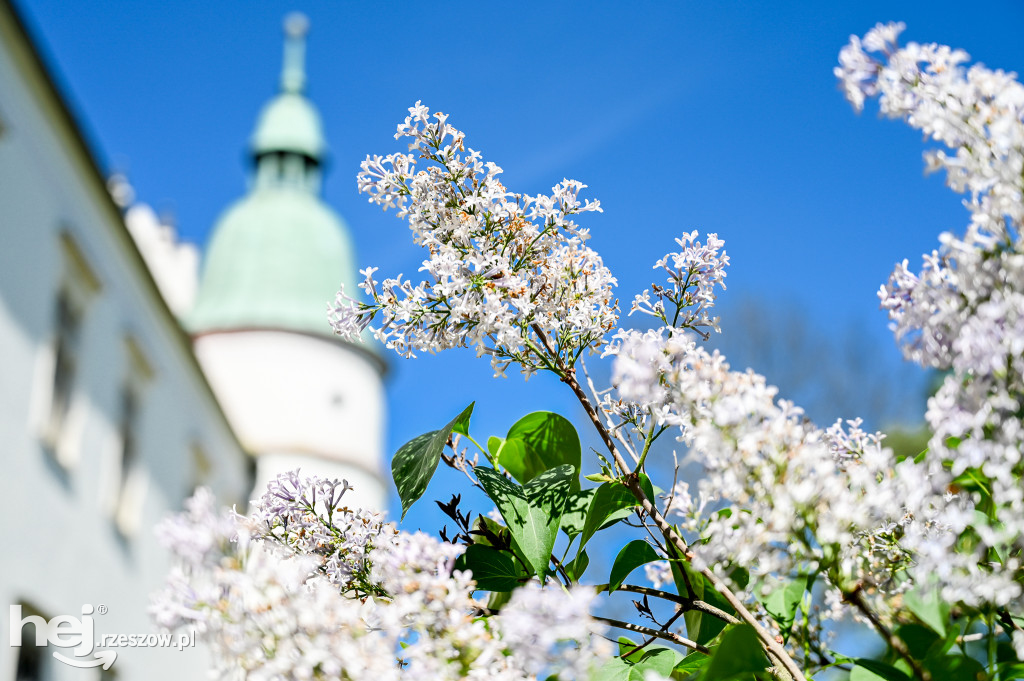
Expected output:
(623, 439)
(628, 626)
(561, 569)
(453, 463)
(651, 639)
(654, 537)
(856, 598)
(647, 631)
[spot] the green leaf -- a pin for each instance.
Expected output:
(651, 658)
(493, 570)
(577, 567)
(648, 487)
(681, 573)
(862, 674)
(538, 442)
(461, 425)
(691, 663)
(738, 653)
(659, 658)
(955, 668)
(627, 644)
(414, 463)
(877, 670)
(634, 554)
(1011, 670)
(575, 513)
(612, 501)
(783, 601)
(617, 669)
(511, 454)
(918, 638)
(532, 512)
(926, 604)
(494, 444)
(739, 576)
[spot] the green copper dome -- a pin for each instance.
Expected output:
(278, 256)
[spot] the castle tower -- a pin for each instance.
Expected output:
(296, 395)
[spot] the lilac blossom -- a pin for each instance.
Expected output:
(501, 266)
(963, 312)
(257, 591)
(306, 516)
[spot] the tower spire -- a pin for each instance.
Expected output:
(293, 73)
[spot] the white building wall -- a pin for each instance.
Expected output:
(62, 544)
(300, 401)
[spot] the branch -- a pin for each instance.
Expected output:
(646, 631)
(452, 462)
(561, 569)
(623, 440)
(856, 598)
(686, 603)
(651, 639)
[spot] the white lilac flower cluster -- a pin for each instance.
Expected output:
(501, 266)
(780, 496)
(545, 625)
(262, 616)
(305, 516)
(963, 312)
(693, 274)
(789, 497)
(260, 594)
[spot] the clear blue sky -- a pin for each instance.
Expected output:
(717, 116)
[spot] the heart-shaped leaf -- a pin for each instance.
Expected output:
(538, 442)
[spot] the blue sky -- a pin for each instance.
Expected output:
(717, 116)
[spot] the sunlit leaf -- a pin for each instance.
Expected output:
(414, 463)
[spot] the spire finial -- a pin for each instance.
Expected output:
(293, 75)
